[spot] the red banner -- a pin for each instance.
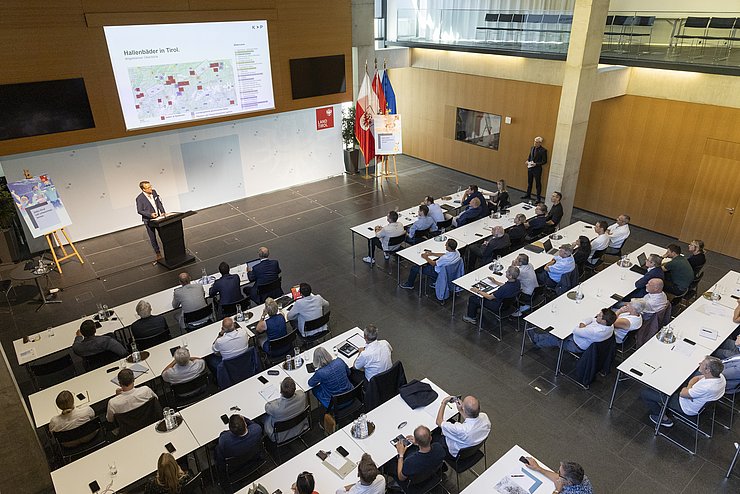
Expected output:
(325, 118)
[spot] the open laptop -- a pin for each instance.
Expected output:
(549, 248)
(640, 267)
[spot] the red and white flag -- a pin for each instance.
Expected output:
(379, 94)
(365, 109)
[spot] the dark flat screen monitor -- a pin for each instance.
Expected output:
(317, 76)
(47, 107)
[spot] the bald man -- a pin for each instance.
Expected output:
(189, 296)
(496, 244)
(473, 429)
(655, 299)
(263, 273)
(472, 213)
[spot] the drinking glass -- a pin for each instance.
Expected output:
(112, 469)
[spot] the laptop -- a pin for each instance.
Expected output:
(549, 248)
(640, 266)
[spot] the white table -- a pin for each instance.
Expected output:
(479, 229)
(517, 473)
(135, 457)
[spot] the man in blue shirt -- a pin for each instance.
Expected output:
(227, 287)
(493, 300)
(554, 270)
(435, 212)
(243, 440)
(423, 222)
(435, 265)
(474, 212)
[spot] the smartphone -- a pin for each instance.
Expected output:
(112, 369)
(273, 372)
(427, 250)
(225, 419)
(635, 371)
(263, 379)
(170, 448)
(94, 486)
(399, 437)
(81, 396)
(310, 368)
(322, 455)
(735, 297)
(617, 297)
(524, 460)
(342, 451)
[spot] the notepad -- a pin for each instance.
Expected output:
(137, 369)
(683, 348)
(269, 393)
(338, 464)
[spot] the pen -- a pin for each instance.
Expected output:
(519, 475)
(649, 365)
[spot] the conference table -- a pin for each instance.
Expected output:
(507, 473)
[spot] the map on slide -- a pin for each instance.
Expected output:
(197, 89)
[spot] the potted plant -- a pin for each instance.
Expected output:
(351, 151)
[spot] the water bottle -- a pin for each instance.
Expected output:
(297, 358)
(288, 362)
(239, 312)
(135, 355)
(169, 419)
(363, 426)
(204, 276)
(579, 294)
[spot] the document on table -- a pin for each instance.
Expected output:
(357, 340)
(339, 464)
(683, 348)
(269, 393)
(137, 369)
(708, 333)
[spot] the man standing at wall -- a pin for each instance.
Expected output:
(535, 161)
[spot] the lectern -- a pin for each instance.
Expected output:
(169, 227)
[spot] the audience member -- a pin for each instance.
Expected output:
(536, 159)
(272, 324)
(496, 245)
(263, 273)
(618, 233)
(71, 417)
(655, 299)
(569, 479)
(231, 342)
(304, 484)
(732, 373)
(731, 346)
(291, 403)
(708, 386)
(433, 266)
(519, 230)
(87, 344)
(127, 396)
(435, 211)
(556, 210)
(227, 287)
(561, 264)
(169, 478)
(601, 242)
(307, 308)
(653, 265)
(679, 273)
(499, 199)
(189, 296)
(420, 460)
(472, 213)
(471, 193)
(536, 225)
(147, 325)
(629, 318)
(581, 250)
(697, 259)
(492, 301)
(331, 377)
(527, 279)
(592, 330)
(383, 234)
(183, 367)
(375, 357)
(423, 222)
(371, 481)
(472, 429)
(242, 440)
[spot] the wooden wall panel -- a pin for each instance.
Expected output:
(428, 100)
(51, 40)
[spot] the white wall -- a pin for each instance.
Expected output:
(191, 168)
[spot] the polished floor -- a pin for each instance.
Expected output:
(307, 230)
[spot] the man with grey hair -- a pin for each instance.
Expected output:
(653, 265)
(569, 479)
(519, 230)
(183, 367)
(473, 212)
(189, 296)
(374, 357)
(495, 245)
(262, 273)
(492, 301)
(231, 342)
(527, 279)
(473, 428)
(536, 159)
(291, 403)
(655, 299)
(147, 325)
(707, 386)
(629, 318)
(561, 264)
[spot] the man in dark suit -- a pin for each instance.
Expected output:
(243, 440)
(266, 271)
(652, 264)
(149, 206)
(227, 287)
(535, 161)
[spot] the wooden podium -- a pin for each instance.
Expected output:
(173, 240)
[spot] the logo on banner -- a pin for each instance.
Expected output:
(324, 118)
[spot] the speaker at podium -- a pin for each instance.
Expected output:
(169, 227)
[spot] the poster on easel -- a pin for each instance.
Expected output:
(387, 133)
(39, 204)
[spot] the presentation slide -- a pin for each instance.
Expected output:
(40, 206)
(171, 73)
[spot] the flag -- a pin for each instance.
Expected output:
(364, 112)
(378, 89)
(388, 95)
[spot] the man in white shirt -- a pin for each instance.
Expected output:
(629, 318)
(383, 234)
(618, 233)
(708, 386)
(307, 308)
(183, 367)
(231, 342)
(527, 279)
(601, 242)
(71, 416)
(435, 211)
(375, 357)
(127, 396)
(655, 299)
(592, 330)
(433, 266)
(473, 429)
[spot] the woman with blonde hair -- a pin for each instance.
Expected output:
(272, 324)
(169, 478)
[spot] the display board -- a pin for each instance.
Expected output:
(40, 205)
(171, 73)
(387, 133)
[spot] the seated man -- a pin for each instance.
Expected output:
(433, 266)
(423, 222)
(472, 429)
(653, 266)
(527, 279)
(492, 301)
(371, 481)
(618, 234)
(601, 242)
(519, 230)
(231, 342)
(189, 296)
(655, 299)
(556, 210)
(561, 264)
(263, 273)
(418, 461)
(71, 417)
(87, 344)
(242, 440)
(730, 347)
(679, 273)
(490, 247)
(127, 396)
(697, 259)
(592, 330)
(731, 372)
(291, 403)
(569, 479)
(706, 387)
(471, 193)
(473, 212)
(227, 287)
(183, 367)
(383, 234)
(629, 318)
(435, 211)
(536, 225)
(307, 308)
(147, 325)
(375, 357)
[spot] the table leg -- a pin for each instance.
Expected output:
(454, 293)
(662, 413)
(560, 357)
(421, 281)
(353, 243)
(524, 335)
(614, 391)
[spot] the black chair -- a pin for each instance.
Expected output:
(693, 291)
(52, 372)
(384, 386)
(154, 340)
(443, 225)
(195, 484)
(422, 485)
(98, 360)
(187, 393)
(629, 343)
(138, 418)
(466, 459)
(394, 242)
(238, 369)
(346, 407)
(198, 318)
(239, 468)
(505, 309)
(273, 289)
(124, 336)
(420, 235)
(698, 27)
(5, 287)
(567, 282)
(76, 443)
(280, 347)
(286, 425)
(228, 310)
(313, 325)
(590, 267)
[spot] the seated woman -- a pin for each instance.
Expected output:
(169, 478)
(273, 324)
(697, 259)
(71, 418)
(304, 484)
(331, 377)
(582, 249)
(500, 199)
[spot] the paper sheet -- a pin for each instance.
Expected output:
(684, 348)
(357, 340)
(136, 368)
(708, 333)
(270, 392)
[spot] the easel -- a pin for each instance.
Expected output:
(381, 167)
(65, 255)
